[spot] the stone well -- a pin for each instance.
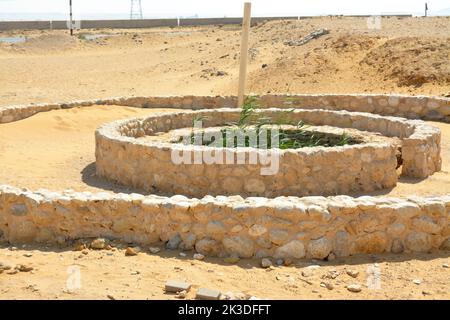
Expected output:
(124, 156)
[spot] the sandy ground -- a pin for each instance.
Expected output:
(405, 56)
(110, 274)
(60, 147)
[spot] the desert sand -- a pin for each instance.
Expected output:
(408, 56)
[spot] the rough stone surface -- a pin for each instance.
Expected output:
(397, 246)
(98, 244)
(239, 245)
(293, 249)
(445, 245)
(418, 242)
(414, 107)
(177, 286)
(265, 263)
(268, 228)
(19, 209)
(207, 247)
(198, 256)
(319, 248)
(354, 288)
(174, 242)
(207, 294)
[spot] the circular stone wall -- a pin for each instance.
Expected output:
(158, 165)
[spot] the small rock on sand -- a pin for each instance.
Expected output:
(154, 250)
(98, 244)
(354, 288)
(207, 294)
(177, 286)
(198, 256)
(327, 285)
(266, 263)
(352, 273)
(130, 251)
(24, 268)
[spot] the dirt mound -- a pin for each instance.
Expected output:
(412, 61)
(47, 42)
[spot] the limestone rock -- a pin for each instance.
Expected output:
(257, 230)
(397, 246)
(98, 244)
(352, 273)
(207, 294)
(319, 248)
(131, 251)
(215, 229)
(154, 250)
(266, 263)
(354, 288)
(177, 286)
(239, 245)
(292, 249)
(418, 242)
(341, 244)
(24, 268)
(19, 209)
(278, 236)
(374, 242)
(254, 186)
(188, 242)
(445, 245)
(207, 247)
(174, 242)
(198, 256)
(396, 229)
(426, 224)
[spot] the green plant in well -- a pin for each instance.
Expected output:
(291, 138)
(247, 112)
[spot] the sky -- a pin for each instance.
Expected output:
(49, 9)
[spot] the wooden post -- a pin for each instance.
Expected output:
(244, 52)
(71, 23)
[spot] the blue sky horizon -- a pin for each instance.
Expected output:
(120, 9)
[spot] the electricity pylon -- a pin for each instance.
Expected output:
(136, 9)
